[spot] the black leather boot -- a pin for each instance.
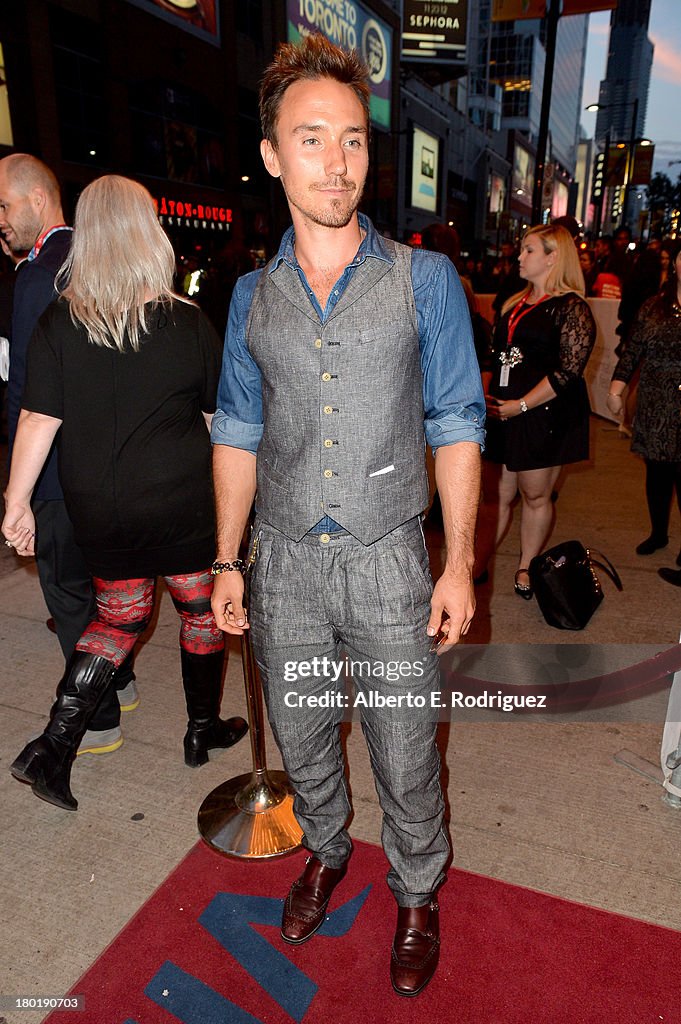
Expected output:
(46, 762)
(202, 680)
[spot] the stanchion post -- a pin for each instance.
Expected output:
(251, 816)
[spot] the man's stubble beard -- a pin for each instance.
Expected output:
(336, 215)
(24, 236)
(17, 247)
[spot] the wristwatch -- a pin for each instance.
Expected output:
(523, 405)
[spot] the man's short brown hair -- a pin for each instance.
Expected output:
(313, 57)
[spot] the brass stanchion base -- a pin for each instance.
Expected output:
(251, 816)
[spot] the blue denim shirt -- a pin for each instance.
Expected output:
(454, 406)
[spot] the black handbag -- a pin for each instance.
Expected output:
(565, 583)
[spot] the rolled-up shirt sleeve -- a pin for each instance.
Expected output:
(238, 419)
(453, 400)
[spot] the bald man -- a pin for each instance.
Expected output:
(31, 220)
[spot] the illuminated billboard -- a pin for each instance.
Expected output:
(523, 172)
(434, 32)
(200, 17)
(516, 10)
(424, 170)
(354, 27)
(513, 10)
(588, 6)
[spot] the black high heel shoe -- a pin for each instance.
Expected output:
(523, 590)
(672, 576)
(652, 544)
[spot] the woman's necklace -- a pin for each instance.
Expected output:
(512, 356)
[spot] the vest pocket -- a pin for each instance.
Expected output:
(387, 333)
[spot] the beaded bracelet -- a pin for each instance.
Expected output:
(238, 565)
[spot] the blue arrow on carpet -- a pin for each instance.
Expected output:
(191, 1000)
(228, 918)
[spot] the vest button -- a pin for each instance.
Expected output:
(324, 538)
(328, 443)
(328, 474)
(328, 410)
(318, 343)
(326, 376)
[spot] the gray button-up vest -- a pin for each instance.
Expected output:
(342, 401)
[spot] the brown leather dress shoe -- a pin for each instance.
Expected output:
(308, 898)
(416, 948)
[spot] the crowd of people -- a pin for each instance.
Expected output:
(139, 444)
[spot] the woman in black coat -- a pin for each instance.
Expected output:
(654, 344)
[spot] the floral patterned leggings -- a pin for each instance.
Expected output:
(125, 607)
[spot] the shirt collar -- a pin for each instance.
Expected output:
(371, 245)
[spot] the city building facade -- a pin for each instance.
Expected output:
(622, 103)
(167, 93)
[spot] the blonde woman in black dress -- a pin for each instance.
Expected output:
(537, 404)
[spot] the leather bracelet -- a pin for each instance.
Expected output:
(238, 565)
(523, 405)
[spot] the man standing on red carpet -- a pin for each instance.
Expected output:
(342, 357)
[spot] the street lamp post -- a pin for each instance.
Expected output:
(631, 153)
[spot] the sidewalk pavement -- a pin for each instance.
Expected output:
(534, 802)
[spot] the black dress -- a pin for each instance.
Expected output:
(655, 345)
(134, 448)
(553, 339)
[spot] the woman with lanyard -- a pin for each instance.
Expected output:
(537, 404)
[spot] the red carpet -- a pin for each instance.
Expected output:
(205, 949)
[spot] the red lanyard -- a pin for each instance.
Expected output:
(517, 314)
(39, 243)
